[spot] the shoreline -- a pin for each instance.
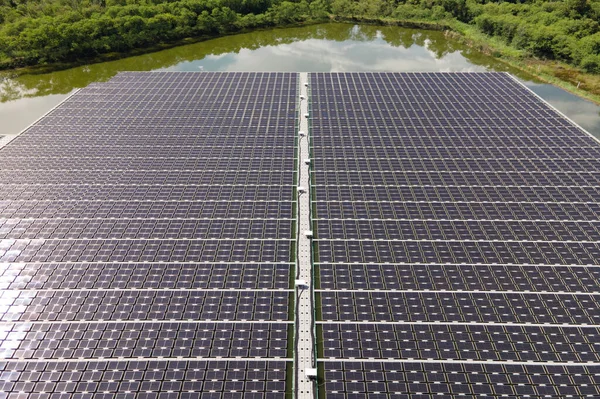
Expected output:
(583, 85)
(544, 70)
(114, 56)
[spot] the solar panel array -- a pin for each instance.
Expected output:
(456, 239)
(149, 226)
(147, 240)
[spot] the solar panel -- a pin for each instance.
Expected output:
(147, 236)
(455, 239)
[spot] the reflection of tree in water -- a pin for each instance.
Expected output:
(62, 82)
(11, 89)
(398, 37)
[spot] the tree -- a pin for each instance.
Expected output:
(576, 8)
(225, 19)
(205, 23)
(591, 64)
(342, 7)
(319, 9)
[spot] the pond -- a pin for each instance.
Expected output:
(317, 48)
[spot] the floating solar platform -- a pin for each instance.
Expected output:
(146, 241)
(456, 239)
(152, 229)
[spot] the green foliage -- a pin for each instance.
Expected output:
(319, 9)
(564, 30)
(37, 31)
(575, 8)
(40, 31)
(591, 63)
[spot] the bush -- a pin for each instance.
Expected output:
(591, 64)
(409, 11)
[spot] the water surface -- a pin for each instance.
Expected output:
(316, 48)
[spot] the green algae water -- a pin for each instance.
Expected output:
(316, 48)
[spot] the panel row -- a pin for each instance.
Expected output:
(251, 122)
(358, 151)
(456, 165)
(470, 178)
(461, 252)
(145, 251)
(97, 140)
(178, 379)
(355, 117)
(406, 110)
(458, 277)
(142, 340)
(218, 84)
(455, 210)
(460, 307)
(213, 103)
(33, 276)
(146, 228)
(41, 306)
(390, 85)
(133, 178)
(268, 111)
(146, 132)
(442, 193)
(356, 380)
(448, 342)
(146, 193)
(219, 97)
(151, 152)
(452, 230)
(464, 84)
(29, 209)
(110, 162)
(395, 136)
(387, 128)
